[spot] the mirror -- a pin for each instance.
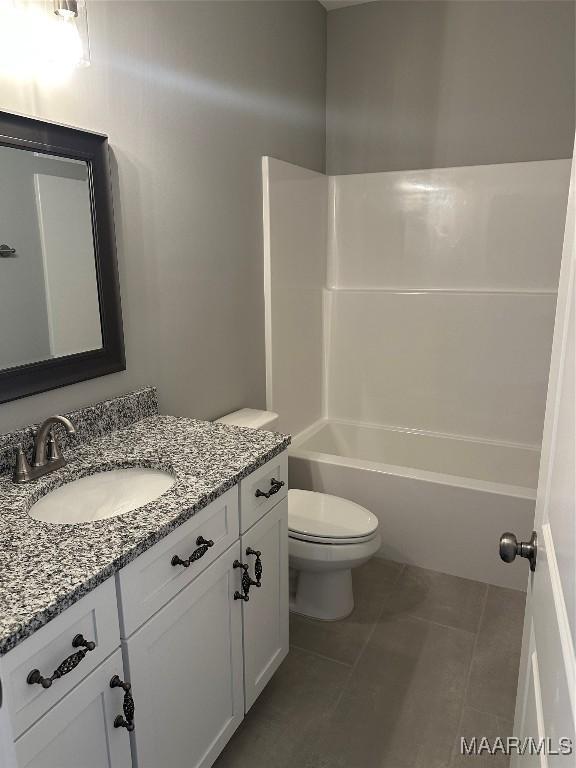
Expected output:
(48, 270)
(60, 316)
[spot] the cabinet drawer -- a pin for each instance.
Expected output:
(150, 581)
(253, 505)
(79, 732)
(96, 618)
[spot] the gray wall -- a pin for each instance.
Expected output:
(435, 84)
(191, 95)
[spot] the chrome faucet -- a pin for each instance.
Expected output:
(47, 454)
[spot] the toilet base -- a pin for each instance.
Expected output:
(324, 595)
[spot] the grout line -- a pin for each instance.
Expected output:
(469, 675)
(438, 623)
(400, 573)
(491, 714)
(395, 581)
(365, 643)
(320, 655)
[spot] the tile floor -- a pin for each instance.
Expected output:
(423, 659)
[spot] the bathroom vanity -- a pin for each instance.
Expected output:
(142, 640)
(143, 558)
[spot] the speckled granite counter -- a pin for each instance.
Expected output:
(44, 568)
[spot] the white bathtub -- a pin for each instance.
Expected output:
(442, 501)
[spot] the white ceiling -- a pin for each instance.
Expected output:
(332, 5)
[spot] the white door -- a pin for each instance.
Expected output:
(79, 731)
(64, 215)
(186, 672)
(265, 614)
(545, 706)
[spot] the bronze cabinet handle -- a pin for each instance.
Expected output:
(128, 705)
(203, 547)
(247, 582)
(257, 564)
(70, 663)
(275, 486)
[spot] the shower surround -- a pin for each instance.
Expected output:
(414, 312)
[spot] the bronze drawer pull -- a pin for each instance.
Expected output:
(275, 486)
(203, 547)
(35, 678)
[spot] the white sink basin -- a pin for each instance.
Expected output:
(102, 495)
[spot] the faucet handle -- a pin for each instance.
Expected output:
(22, 470)
(54, 452)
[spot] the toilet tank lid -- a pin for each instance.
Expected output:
(250, 417)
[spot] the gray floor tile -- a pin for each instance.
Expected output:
(368, 731)
(344, 640)
(401, 707)
(291, 708)
(494, 671)
(260, 743)
(438, 597)
(374, 576)
(481, 724)
(303, 690)
(386, 688)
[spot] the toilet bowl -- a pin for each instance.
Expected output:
(328, 537)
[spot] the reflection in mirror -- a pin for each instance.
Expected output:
(49, 305)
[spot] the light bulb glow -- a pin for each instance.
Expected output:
(66, 14)
(37, 45)
(66, 9)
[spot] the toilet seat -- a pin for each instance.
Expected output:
(328, 541)
(324, 519)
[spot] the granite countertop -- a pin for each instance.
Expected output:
(45, 568)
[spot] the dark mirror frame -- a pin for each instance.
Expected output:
(38, 136)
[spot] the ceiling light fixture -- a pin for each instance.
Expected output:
(43, 40)
(66, 9)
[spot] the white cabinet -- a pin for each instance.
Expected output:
(186, 671)
(79, 731)
(7, 754)
(95, 618)
(196, 656)
(265, 614)
(152, 579)
(262, 490)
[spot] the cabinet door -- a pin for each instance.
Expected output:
(79, 731)
(186, 672)
(7, 756)
(265, 614)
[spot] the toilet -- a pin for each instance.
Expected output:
(328, 537)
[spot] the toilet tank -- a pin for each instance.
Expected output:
(250, 417)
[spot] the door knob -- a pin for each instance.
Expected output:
(510, 547)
